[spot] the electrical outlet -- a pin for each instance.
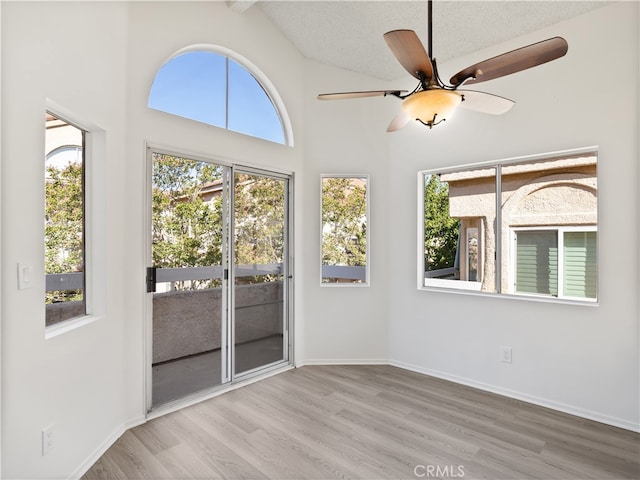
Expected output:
(47, 440)
(505, 354)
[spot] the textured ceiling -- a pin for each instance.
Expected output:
(348, 34)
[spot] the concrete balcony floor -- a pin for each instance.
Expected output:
(178, 378)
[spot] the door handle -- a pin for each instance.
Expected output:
(151, 279)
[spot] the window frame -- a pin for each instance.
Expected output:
(263, 81)
(443, 283)
(94, 211)
(367, 277)
(471, 288)
(560, 232)
(469, 235)
(81, 158)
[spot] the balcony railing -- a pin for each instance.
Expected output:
(257, 302)
(451, 273)
(75, 281)
(344, 272)
(170, 275)
(64, 281)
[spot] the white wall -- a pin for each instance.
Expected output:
(98, 63)
(576, 358)
(72, 56)
(346, 324)
(157, 31)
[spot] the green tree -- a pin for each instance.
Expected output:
(344, 234)
(64, 211)
(186, 229)
(440, 229)
(259, 221)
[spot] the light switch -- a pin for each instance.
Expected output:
(25, 276)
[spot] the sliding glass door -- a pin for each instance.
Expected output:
(212, 323)
(260, 270)
(189, 253)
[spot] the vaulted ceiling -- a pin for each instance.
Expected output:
(348, 34)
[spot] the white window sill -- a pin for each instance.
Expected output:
(68, 326)
(459, 284)
(461, 290)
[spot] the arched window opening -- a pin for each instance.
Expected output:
(213, 88)
(64, 155)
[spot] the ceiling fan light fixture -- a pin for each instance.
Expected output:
(432, 106)
(433, 101)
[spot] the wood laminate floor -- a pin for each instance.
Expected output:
(368, 422)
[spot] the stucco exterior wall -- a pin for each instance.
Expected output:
(550, 192)
(188, 322)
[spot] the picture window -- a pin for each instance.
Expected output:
(512, 227)
(64, 238)
(344, 227)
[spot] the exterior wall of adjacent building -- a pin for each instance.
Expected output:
(552, 193)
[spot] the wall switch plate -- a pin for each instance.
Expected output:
(25, 276)
(48, 438)
(505, 354)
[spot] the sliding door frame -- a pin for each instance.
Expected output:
(227, 293)
(287, 273)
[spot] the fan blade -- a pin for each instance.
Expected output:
(512, 62)
(409, 51)
(399, 121)
(369, 93)
(485, 102)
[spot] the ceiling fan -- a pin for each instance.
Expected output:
(432, 101)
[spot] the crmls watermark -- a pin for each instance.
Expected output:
(439, 471)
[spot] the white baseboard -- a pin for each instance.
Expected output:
(93, 458)
(105, 445)
(343, 361)
(134, 422)
(543, 402)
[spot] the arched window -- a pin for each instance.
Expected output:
(213, 88)
(64, 155)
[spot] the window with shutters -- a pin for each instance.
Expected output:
(519, 227)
